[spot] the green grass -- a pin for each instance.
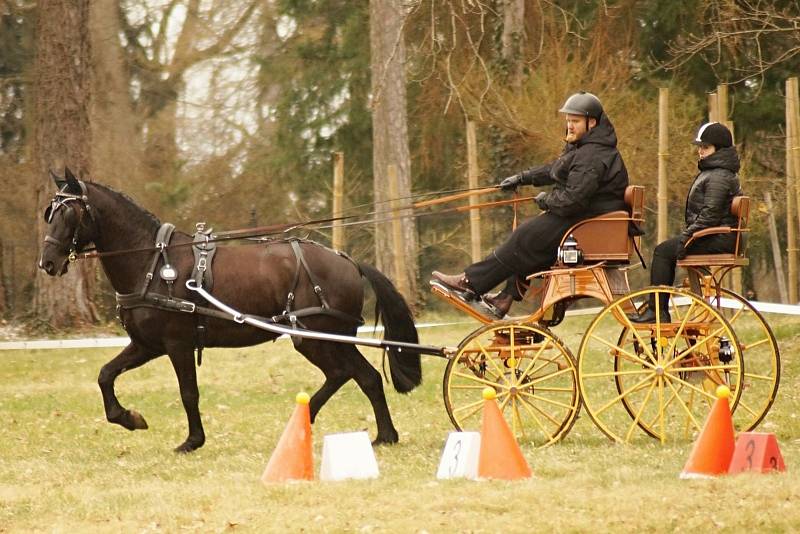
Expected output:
(64, 469)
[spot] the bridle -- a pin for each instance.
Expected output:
(61, 200)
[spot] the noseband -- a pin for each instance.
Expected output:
(62, 199)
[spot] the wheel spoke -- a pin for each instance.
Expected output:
(528, 404)
(477, 379)
(500, 371)
(633, 330)
(634, 358)
(691, 348)
(545, 399)
(529, 408)
(623, 394)
(536, 356)
(635, 422)
(551, 375)
(617, 373)
(686, 408)
(475, 406)
(759, 377)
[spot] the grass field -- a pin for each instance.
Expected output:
(64, 469)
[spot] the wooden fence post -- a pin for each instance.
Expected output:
(794, 131)
(337, 238)
(472, 182)
(791, 205)
(777, 257)
(663, 154)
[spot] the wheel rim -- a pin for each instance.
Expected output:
(660, 377)
(760, 354)
(534, 375)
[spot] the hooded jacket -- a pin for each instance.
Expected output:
(589, 177)
(708, 202)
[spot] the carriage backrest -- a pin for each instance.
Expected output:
(608, 237)
(740, 208)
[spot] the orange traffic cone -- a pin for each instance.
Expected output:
(713, 450)
(292, 458)
(500, 455)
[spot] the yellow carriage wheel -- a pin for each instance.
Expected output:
(760, 355)
(533, 373)
(659, 377)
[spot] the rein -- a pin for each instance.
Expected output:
(275, 229)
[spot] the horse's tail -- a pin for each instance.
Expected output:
(405, 366)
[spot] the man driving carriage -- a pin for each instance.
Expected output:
(589, 178)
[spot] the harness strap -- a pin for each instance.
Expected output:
(204, 249)
(163, 302)
(314, 281)
(163, 237)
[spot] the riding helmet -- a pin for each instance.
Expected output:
(583, 103)
(714, 133)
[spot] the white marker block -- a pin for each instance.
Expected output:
(460, 456)
(347, 455)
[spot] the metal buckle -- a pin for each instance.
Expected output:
(188, 307)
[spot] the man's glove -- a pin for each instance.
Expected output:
(540, 201)
(511, 183)
(682, 252)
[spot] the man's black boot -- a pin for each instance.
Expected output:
(498, 304)
(649, 314)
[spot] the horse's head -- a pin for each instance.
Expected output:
(70, 225)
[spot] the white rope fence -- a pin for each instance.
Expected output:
(122, 341)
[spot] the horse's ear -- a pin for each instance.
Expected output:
(60, 182)
(73, 185)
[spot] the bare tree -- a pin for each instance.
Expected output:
(746, 38)
(62, 77)
(390, 136)
(160, 60)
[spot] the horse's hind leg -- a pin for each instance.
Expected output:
(131, 357)
(340, 362)
(182, 359)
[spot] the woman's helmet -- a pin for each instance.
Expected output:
(583, 103)
(714, 133)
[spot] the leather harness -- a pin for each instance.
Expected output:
(202, 275)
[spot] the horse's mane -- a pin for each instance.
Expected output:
(155, 220)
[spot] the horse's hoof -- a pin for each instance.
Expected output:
(390, 440)
(187, 447)
(137, 421)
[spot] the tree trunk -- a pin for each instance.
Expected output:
(116, 149)
(3, 294)
(512, 39)
(390, 138)
(62, 137)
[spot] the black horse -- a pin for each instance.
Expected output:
(253, 279)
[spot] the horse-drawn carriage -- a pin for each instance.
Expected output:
(657, 377)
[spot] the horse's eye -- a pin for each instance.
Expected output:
(48, 214)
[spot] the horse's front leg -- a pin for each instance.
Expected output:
(182, 359)
(131, 357)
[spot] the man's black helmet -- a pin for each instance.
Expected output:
(583, 103)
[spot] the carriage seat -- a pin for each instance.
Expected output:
(607, 236)
(740, 208)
